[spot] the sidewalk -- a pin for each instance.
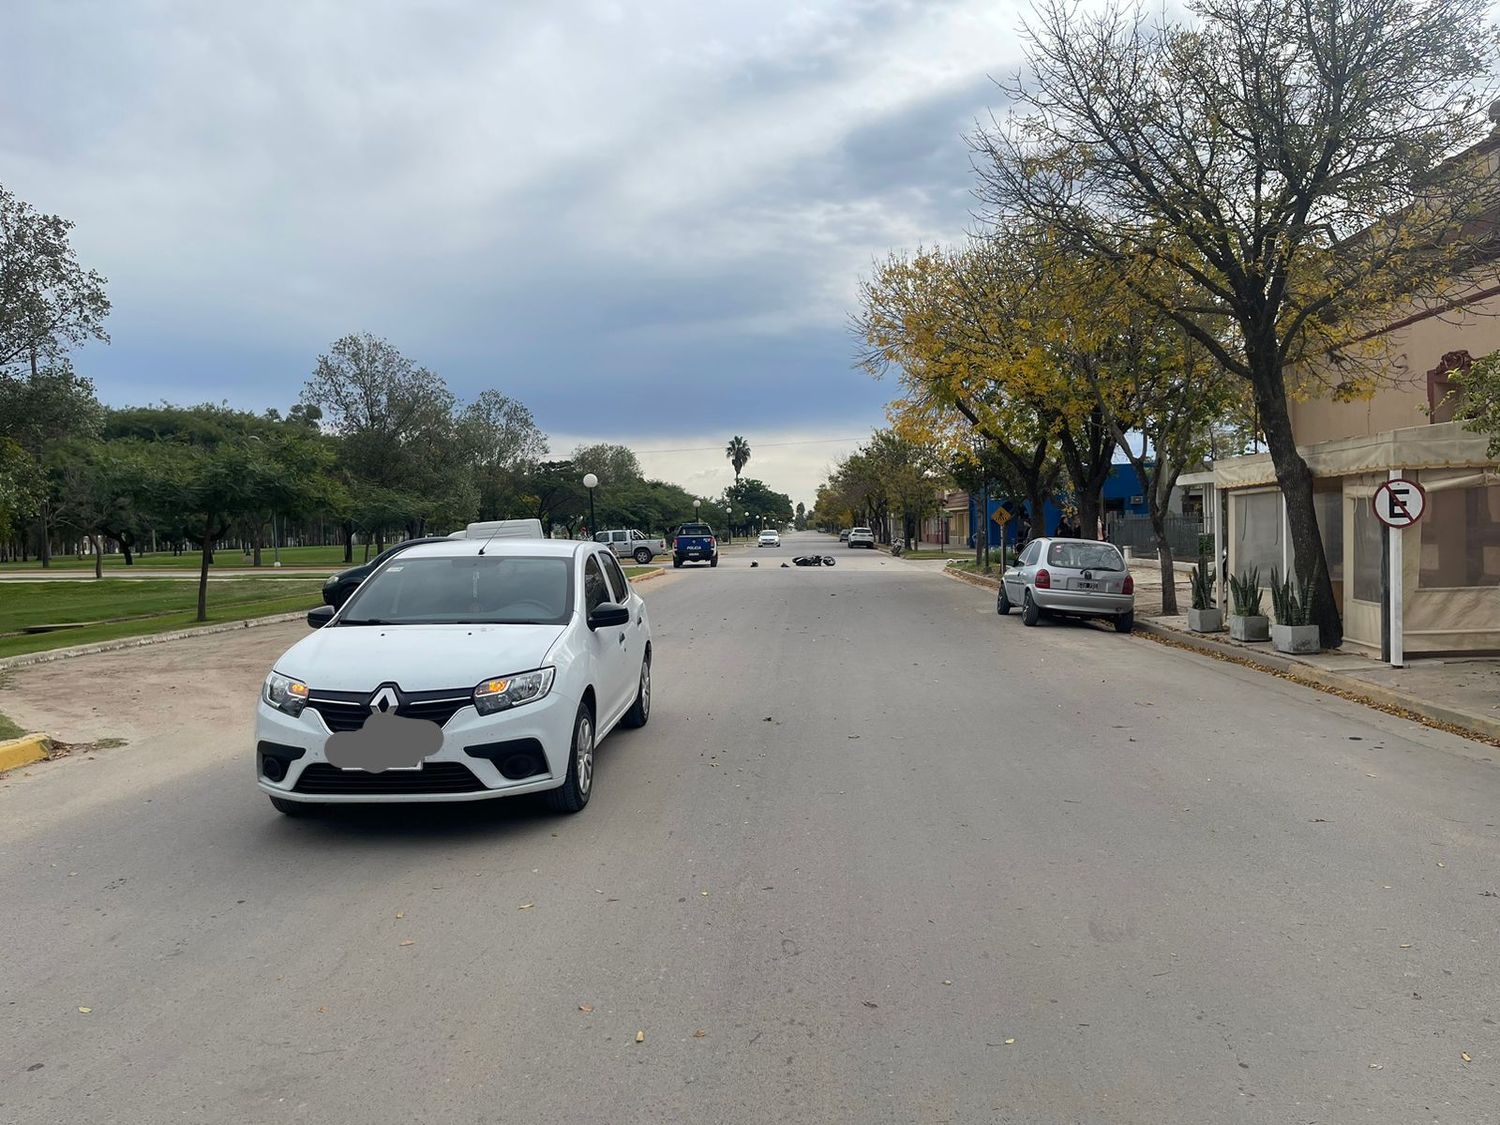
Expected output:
(1459, 694)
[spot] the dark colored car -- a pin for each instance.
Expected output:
(339, 586)
(695, 542)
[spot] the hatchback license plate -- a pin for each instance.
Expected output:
(1080, 584)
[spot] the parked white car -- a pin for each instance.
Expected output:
(459, 671)
(632, 544)
(861, 537)
(769, 539)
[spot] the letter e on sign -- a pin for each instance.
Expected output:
(1399, 503)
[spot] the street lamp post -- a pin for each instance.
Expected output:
(591, 482)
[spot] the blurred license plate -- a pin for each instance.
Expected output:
(1080, 584)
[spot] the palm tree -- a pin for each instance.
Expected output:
(738, 452)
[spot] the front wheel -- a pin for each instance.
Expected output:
(714, 561)
(573, 794)
(1031, 613)
(676, 563)
(293, 808)
(642, 556)
(1125, 622)
(640, 713)
(1002, 602)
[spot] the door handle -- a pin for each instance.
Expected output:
(622, 638)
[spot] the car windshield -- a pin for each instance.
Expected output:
(1085, 556)
(469, 589)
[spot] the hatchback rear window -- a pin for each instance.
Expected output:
(1085, 556)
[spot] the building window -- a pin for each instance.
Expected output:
(1258, 533)
(1329, 505)
(1461, 538)
(1367, 552)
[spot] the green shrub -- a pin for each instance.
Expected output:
(1203, 585)
(1292, 607)
(1245, 592)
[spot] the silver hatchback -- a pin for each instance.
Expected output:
(1069, 577)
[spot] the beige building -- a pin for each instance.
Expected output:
(1447, 599)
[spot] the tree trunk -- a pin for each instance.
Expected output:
(44, 551)
(98, 549)
(1296, 481)
(125, 550)
(208, 557)
(348, 542)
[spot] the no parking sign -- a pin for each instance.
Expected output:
(1399, 502)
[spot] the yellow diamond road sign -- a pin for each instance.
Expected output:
(1000, 516)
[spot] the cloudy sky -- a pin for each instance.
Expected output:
(645, 220)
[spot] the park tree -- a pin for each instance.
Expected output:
(738, 453)
(612, 464)
(1283, 166)
(499, 438)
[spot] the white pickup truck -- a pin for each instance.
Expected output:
(632, 544)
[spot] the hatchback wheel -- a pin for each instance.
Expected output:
(1002, 602)
(573, 794)
(1031, 613)
(1125, 622)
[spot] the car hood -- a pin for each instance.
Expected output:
(415, 657)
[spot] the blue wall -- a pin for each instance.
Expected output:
(1122, 491)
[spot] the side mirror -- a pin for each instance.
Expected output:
(321, 616)
(607, 615)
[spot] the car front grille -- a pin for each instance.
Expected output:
(348, 710)
(433, 778)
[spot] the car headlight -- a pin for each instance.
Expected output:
(286, 694)
(505, 692)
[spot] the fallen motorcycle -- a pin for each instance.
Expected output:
(814, 560)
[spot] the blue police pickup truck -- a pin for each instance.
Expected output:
(695, 542)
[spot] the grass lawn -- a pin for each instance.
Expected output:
(135, 608)
(9, 730)
(331, 557)
(957, 552)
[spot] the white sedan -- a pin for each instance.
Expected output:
(770, 539)
(459, 671)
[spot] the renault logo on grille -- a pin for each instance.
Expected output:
(385, 700)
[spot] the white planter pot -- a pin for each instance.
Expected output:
(1205, 620)
(1296, 638)
(1257, 628)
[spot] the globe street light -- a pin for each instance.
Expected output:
(591, 482)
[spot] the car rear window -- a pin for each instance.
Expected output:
(695, 529)
(1085, 556)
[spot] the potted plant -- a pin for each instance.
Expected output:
(1247, 622)
(1204, 617)
(1293, 631)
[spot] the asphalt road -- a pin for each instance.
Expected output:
(880, 856)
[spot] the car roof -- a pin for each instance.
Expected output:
(528, 548)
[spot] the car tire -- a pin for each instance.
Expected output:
(714, 561)
(573, 794)
(1125, 622)
(676, 562)
(643, 556)
(1031, 613)
(293, 808)
(640, 711)
(1002, 602)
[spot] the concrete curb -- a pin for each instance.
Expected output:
(648, 577)
(1466, 723)
(48, 655)
(18, 752)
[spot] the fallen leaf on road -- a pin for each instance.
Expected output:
(322, 1011)
(585, 1008)
(1376, 1066)
(1009, 1042)
(526, 906)
(1406, 945)
(85, 1011)
(640, 1036)
(700, 1033)
(871, 1004)
(947, 982)
(1465, 1056)
(703, 893)
(400, 914)
(408, 941)
(1441, 864)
